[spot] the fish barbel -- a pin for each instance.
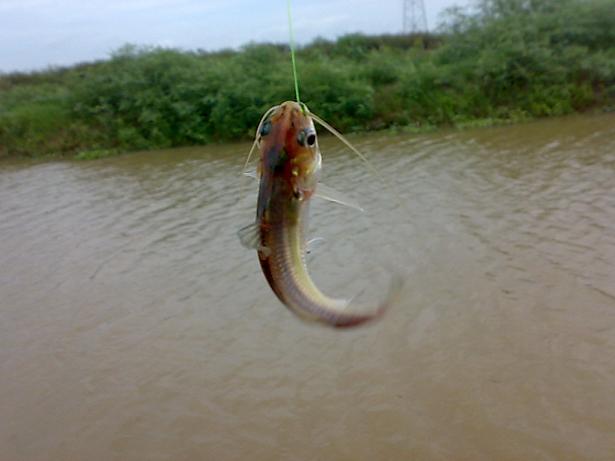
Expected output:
(289, 170)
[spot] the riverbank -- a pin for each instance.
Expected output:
(495, 64)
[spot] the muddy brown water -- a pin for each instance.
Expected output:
(133, 326)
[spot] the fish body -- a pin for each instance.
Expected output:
(289, 170)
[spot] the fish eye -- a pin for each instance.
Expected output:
(266, 128)
(307, 137)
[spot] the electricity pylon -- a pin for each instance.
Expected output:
(415, 17)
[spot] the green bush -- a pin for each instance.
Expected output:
(34, 127)
(503, 60)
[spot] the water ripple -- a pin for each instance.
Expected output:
(132, 322)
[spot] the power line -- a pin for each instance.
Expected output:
(414, 16)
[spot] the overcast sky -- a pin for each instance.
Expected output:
(37, 33)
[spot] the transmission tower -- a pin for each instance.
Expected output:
(415, 17)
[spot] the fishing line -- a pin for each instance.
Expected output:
(292, 50)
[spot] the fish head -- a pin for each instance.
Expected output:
(289, 148)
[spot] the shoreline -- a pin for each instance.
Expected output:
(476, 124)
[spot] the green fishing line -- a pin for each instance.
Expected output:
(292, 51)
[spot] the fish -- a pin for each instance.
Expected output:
(289, 170)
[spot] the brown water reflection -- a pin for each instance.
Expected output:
(133, 325)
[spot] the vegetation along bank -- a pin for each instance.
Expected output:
(504, 60)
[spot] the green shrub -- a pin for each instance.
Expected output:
(503, 60)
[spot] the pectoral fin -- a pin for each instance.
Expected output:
(250, 236)
(328, 193)
(250, 174)
(324, 192)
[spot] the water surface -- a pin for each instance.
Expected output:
(134, 326)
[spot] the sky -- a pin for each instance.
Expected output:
(35, 34)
